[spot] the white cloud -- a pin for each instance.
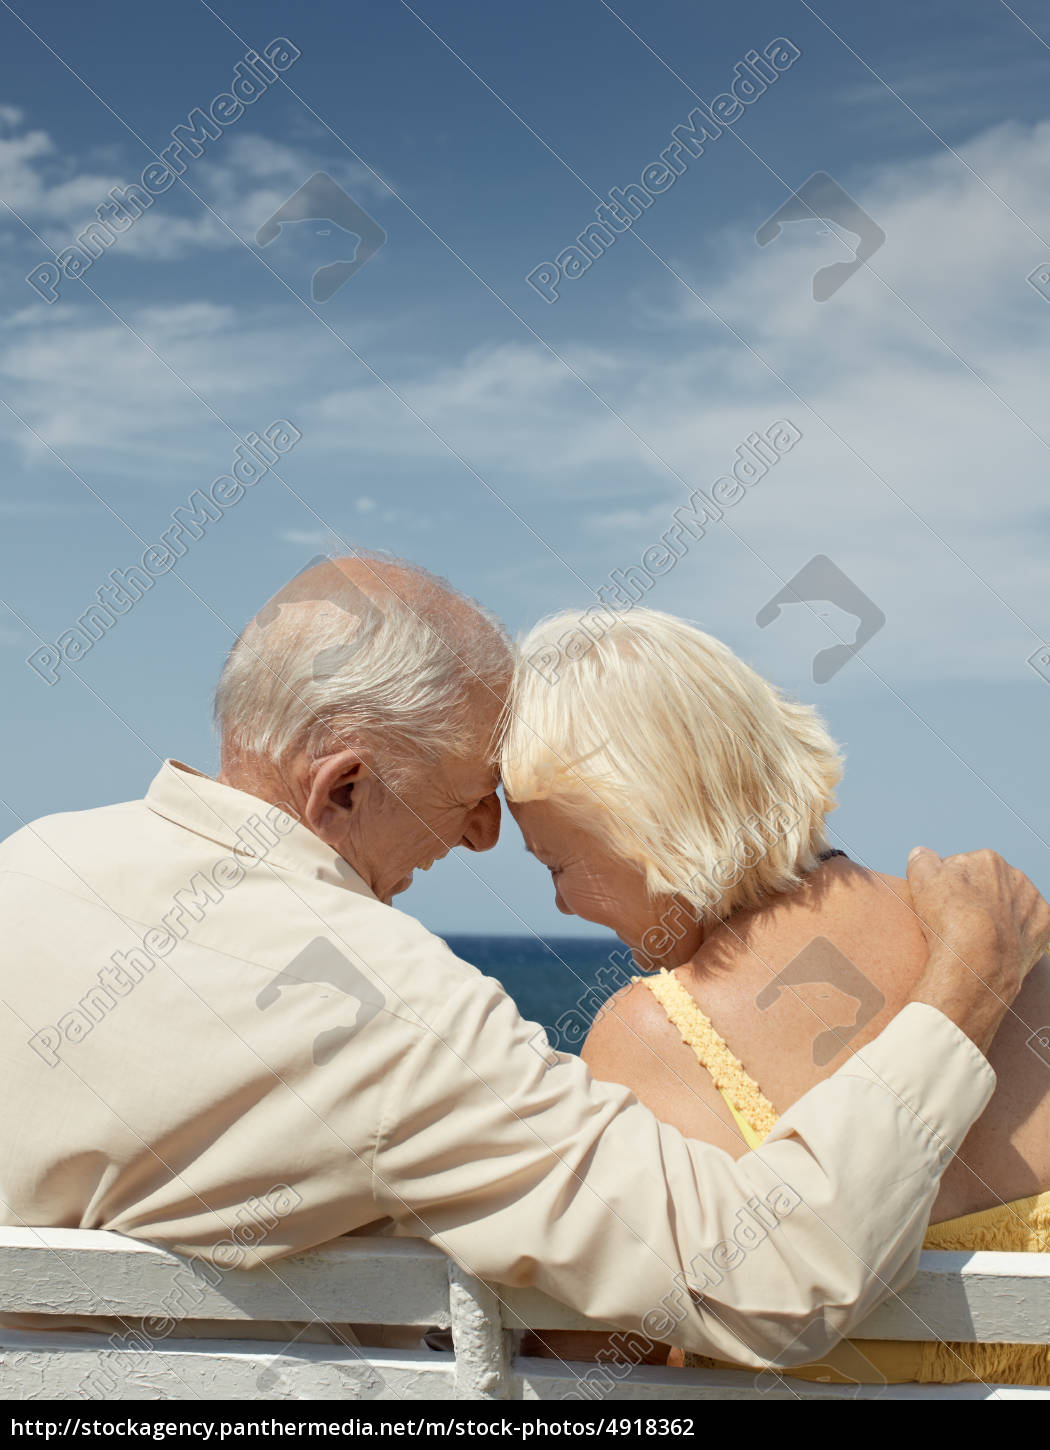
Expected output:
(84, 381)
(493, 406)
(242, 177)
(918, 389)
(893, 423)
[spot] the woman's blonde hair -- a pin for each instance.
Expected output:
(682, 757)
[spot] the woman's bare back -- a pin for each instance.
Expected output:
(797, 986)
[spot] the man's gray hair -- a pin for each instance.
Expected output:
(325, 662)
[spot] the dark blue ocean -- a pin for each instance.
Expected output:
(556, 978)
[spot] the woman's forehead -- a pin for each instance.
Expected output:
(543, 823)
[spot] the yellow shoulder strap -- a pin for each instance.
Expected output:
(752, 1111)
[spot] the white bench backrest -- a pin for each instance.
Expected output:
(980, 1297)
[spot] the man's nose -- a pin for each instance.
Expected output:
(482, 829)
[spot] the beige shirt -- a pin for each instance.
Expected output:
(216, 1038)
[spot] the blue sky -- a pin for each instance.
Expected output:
(528, 449)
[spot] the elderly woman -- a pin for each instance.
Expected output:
(681, 800)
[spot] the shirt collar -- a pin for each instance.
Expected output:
(246, 825)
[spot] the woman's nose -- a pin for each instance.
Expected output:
(482, 829)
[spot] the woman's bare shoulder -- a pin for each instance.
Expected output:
(629, 1017)
(633, 1042)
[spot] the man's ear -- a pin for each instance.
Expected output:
(330, 801)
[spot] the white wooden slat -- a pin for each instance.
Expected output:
(531, 1309)
(982, 1298)
(353, 1280)
(84, 1367)
(970, 1297)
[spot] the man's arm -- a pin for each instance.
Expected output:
(528, 1172)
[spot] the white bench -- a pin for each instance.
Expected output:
(969, 1297)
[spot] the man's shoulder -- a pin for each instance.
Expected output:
(415, 971)
(42, 847)
(123, 866)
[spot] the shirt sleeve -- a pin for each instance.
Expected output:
(528, 1172)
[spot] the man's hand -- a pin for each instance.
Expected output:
(987, 926)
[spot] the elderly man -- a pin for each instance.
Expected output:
(222, 1037)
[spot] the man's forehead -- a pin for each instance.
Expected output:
(475, 775)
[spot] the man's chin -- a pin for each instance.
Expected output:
(406, 881)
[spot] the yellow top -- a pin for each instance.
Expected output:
(1019, 1227)
(752, 1110)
